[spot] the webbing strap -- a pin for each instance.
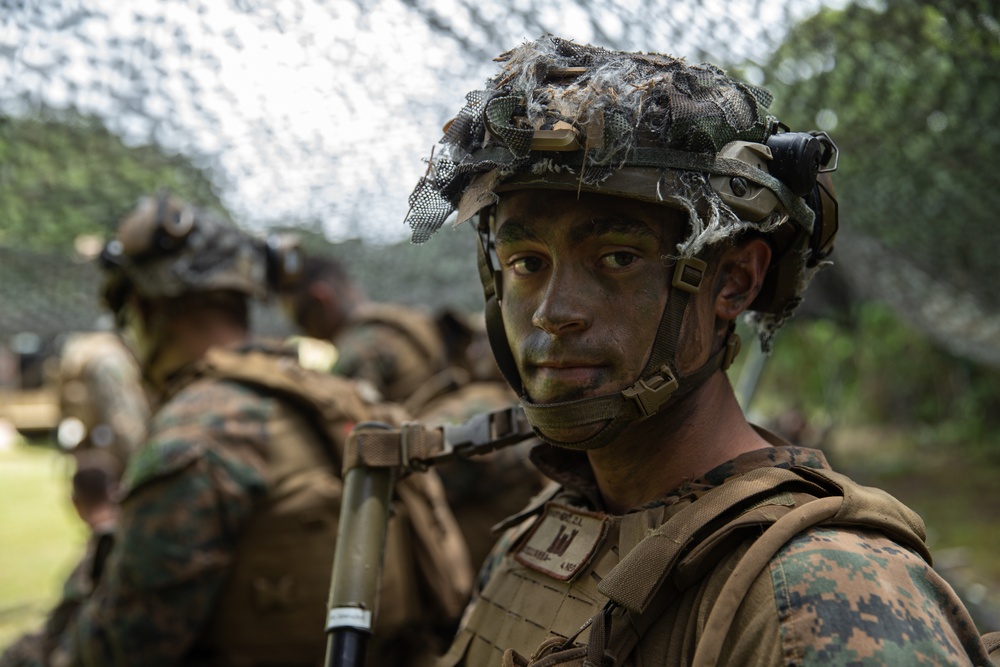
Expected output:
(658, 553)
(991, 640)
(669, 333)
(621, 409)
(414, 446)
(760, 553)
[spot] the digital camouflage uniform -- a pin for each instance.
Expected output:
(395, 348)
(837, 595)
(229, 516)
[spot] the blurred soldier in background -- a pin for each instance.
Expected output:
(229, 509)
(630, 207)
(104, 412)
(102, 402)
(395, 348)
(440, 368)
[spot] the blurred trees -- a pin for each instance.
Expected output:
(909, 92)
(62, 175)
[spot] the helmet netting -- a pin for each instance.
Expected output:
(619, 101)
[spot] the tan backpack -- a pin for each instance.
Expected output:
(427, 573)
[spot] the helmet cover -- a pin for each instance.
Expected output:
(561, 115)
(165, 248)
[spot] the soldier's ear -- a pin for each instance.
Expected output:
(741, 275)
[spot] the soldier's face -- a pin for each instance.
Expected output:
(583, 288)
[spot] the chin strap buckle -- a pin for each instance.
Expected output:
(689, 272)
(650, 393)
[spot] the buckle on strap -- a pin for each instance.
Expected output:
(485, 432)
(650, 393)
(689, 272)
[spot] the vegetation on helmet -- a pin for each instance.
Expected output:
(561, 115)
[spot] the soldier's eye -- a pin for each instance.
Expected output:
(619, 259)
(527, 265)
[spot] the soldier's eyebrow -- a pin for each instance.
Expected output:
(616, 225)
(513, 231)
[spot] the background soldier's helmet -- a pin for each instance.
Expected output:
(645, 126)
(166, 248)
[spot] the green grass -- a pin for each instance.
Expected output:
(40, 536)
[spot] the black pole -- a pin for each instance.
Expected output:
(347, 648)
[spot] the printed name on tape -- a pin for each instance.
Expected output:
(563, 541)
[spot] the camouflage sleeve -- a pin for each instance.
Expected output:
(117, 392)
(854, 597)
(191, 489)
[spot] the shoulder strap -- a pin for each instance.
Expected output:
(658, 554)
(720, 619)
(696, 538)
(991, 640)
(331, 402)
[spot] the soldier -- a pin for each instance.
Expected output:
(229, 509)
(102, 404)
(394, 347)
(104, 412)
(631, 206)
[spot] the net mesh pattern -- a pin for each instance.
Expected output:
(616, 101)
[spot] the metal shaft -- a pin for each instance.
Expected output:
(354, 587)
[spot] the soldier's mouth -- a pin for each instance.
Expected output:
(564, 380)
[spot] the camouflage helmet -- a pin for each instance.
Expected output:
(166, 248)
(561, 115)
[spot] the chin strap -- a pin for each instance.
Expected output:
(659, 384)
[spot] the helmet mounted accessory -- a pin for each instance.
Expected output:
(165, 248)
(645, 126)
(285, 261)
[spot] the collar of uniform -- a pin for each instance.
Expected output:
(572, 469)
(187, 374)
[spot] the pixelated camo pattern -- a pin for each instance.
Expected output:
(853, 597)
(155, 597)
(832, 596)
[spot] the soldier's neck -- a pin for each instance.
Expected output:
(704, 430)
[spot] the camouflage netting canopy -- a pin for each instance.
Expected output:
(317, 113)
